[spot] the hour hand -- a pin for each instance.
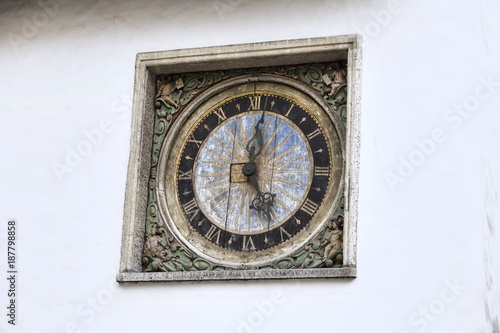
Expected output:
(262, 202)
(249, 171)
(253, 181)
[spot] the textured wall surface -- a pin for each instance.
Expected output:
(429, 212)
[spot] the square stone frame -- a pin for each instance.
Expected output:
(276, 53)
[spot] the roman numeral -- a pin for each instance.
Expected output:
(290, 109)
(321, 171)
(309, 207)
(193, 140)
(283, 231)
(185, 175)
(313, 134)
(220, 113)
(191, 209)
(213, 232)
(248, 243)
(254, 102)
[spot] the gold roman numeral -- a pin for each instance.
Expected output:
(283, 231)
(193, 140)
(290, 109)
(313, 134)
(185, 175)
(191, 209)
(248, 243)
(321, 171)
(220, 113)
(254, 102)
(309, 207)
(213, 232)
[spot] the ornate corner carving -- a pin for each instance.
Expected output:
(162, 252)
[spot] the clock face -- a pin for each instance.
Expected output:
(283, 168)
(253, 172)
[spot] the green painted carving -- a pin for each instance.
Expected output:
(173, 93)
(328, 79)
(161, 251)
(325, 250)
(307, 73)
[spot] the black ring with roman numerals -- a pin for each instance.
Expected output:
(316, 193)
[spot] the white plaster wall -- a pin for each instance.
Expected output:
(428, 245)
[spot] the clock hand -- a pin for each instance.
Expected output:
(249, 171)
(266, 201)
(256, 137)
(263, 202)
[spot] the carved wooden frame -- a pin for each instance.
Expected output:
(288, 52)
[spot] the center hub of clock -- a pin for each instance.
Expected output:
(249, 169)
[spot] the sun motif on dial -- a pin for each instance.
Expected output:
(252, 171)
(284, 169)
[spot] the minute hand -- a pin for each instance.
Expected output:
(256, 137)
(262, 202)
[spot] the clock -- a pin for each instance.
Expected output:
(244, 162)
(251, 171)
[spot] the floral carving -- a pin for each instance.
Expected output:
(162, 252)
(330, 80)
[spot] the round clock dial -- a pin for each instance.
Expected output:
(283, 168)
(251, 170)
